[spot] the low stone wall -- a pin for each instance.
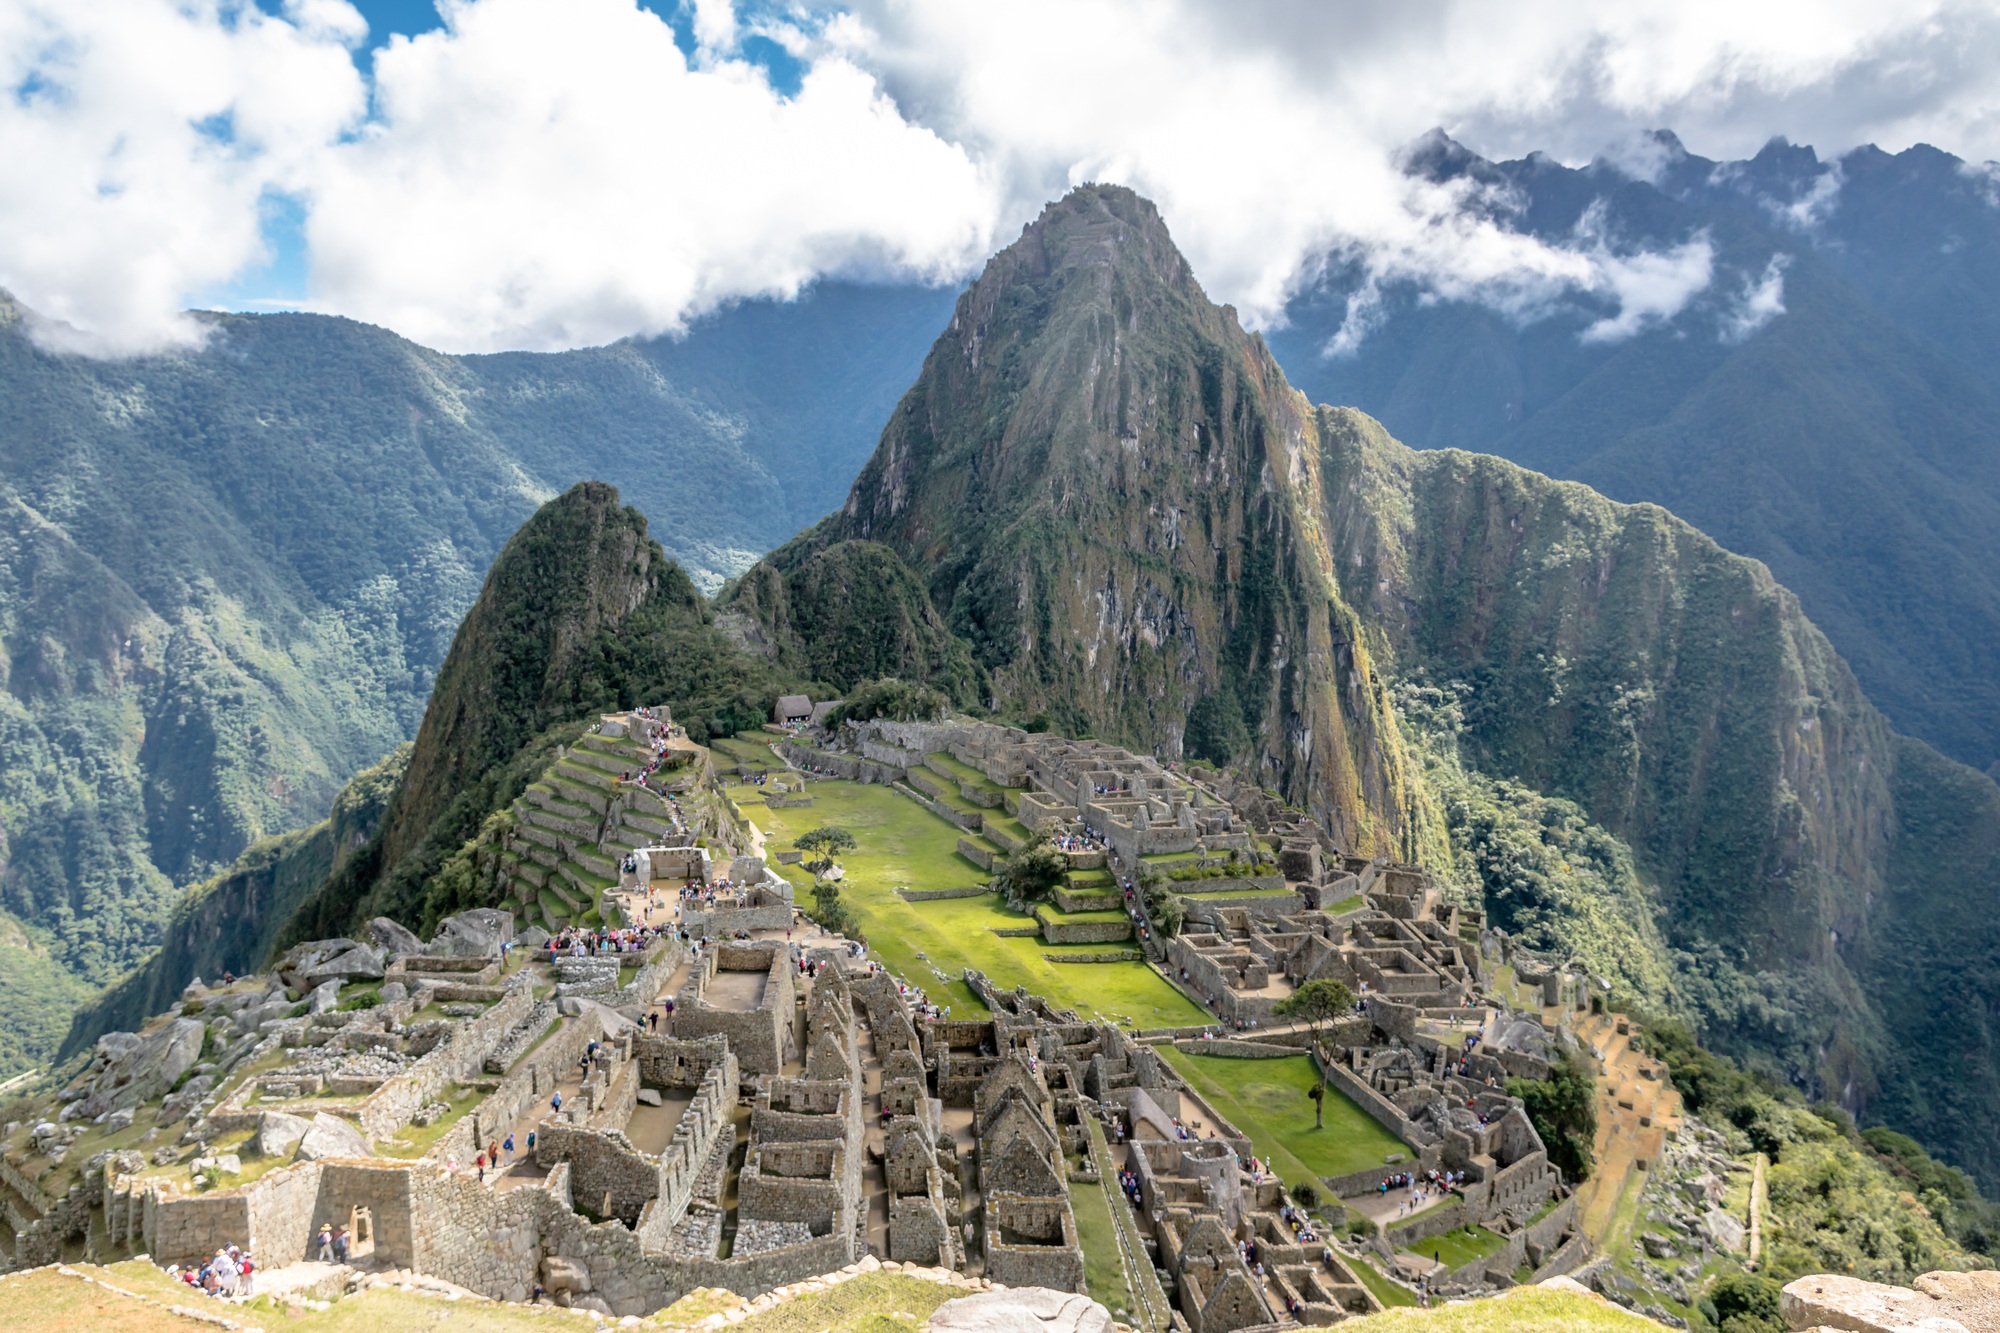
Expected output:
(1233, 1049)
(978, 855)
(970, 821)
(1106, 956)
(1446, 1216)
(1237, 884)
(934, 895)
(724, 922)
(1085, 932)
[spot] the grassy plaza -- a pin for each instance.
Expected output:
(1266, 1099)
(903, 845)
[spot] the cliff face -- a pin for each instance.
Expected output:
(1106, 487)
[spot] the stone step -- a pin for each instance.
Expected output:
(610, 764)
(536, 834)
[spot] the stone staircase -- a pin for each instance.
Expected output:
(573, 827)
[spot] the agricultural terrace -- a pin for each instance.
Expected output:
(1267, 1100)
(903, 845)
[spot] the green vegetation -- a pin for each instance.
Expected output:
(1267, 1099)
(904, 845)
(1838, 1203)
(1103, 1267)
(1563, 1108)
(1743, 1303)
(1034, 872)
(580, 614)
(1460, 1246)
(228, 576)
(888, 697)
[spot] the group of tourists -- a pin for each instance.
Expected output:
(1128, 1180)
(228, 1275)
(1300, 1223)
(581, 942)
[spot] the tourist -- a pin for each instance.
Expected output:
(479, 1165)
(509, 1147)
(244, 1284)
(325, 1243)
(340, 1243)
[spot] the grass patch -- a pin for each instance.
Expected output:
(871, 1303)
(1389, 1293)
(1521, 1310)
(1103, 1266)
(1454, 1249)
(415, 1141)
(966, 773)
(903, 844)
(1266, 1099)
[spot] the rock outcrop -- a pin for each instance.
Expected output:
(1935, 1303)
(1022, 1310)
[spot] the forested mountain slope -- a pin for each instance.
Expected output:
(1846, 431)
(228, 576)
(1111, 493)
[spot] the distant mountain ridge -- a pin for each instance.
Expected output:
(228, 576)
(1851, 442)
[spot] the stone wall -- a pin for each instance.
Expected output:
(460, 1060)
(1378, 1107)
(1085, 932)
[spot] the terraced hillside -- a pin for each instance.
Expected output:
(559, 846)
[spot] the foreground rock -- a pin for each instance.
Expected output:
(1022, 1310)
(1936, 1303)
(479, 933)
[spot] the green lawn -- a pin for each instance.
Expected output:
(1103, 1267)
(1266, 1099)
(1454, 1249)
(903, 844)
(1345, 905)
(1391, 1294)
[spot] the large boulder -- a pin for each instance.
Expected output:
(1022, 1310)
(324, 996)
(330, 1136)
(361, 963)
(130, 1070)
(392, 937)
(479, 933)
(534, 937)
(278, 1134)
(301, 959)
(1939, 1303)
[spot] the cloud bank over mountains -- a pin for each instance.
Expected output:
(556, 173)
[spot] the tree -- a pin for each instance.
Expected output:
(1166, 909)
(1034, 872)
(1563, 1109)
(1744, 1303)
(1318, 1004)
(824, 845)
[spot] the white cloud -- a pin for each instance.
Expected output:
(1761, 300)
(545, 173)
(550, 176)
(136, 138)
